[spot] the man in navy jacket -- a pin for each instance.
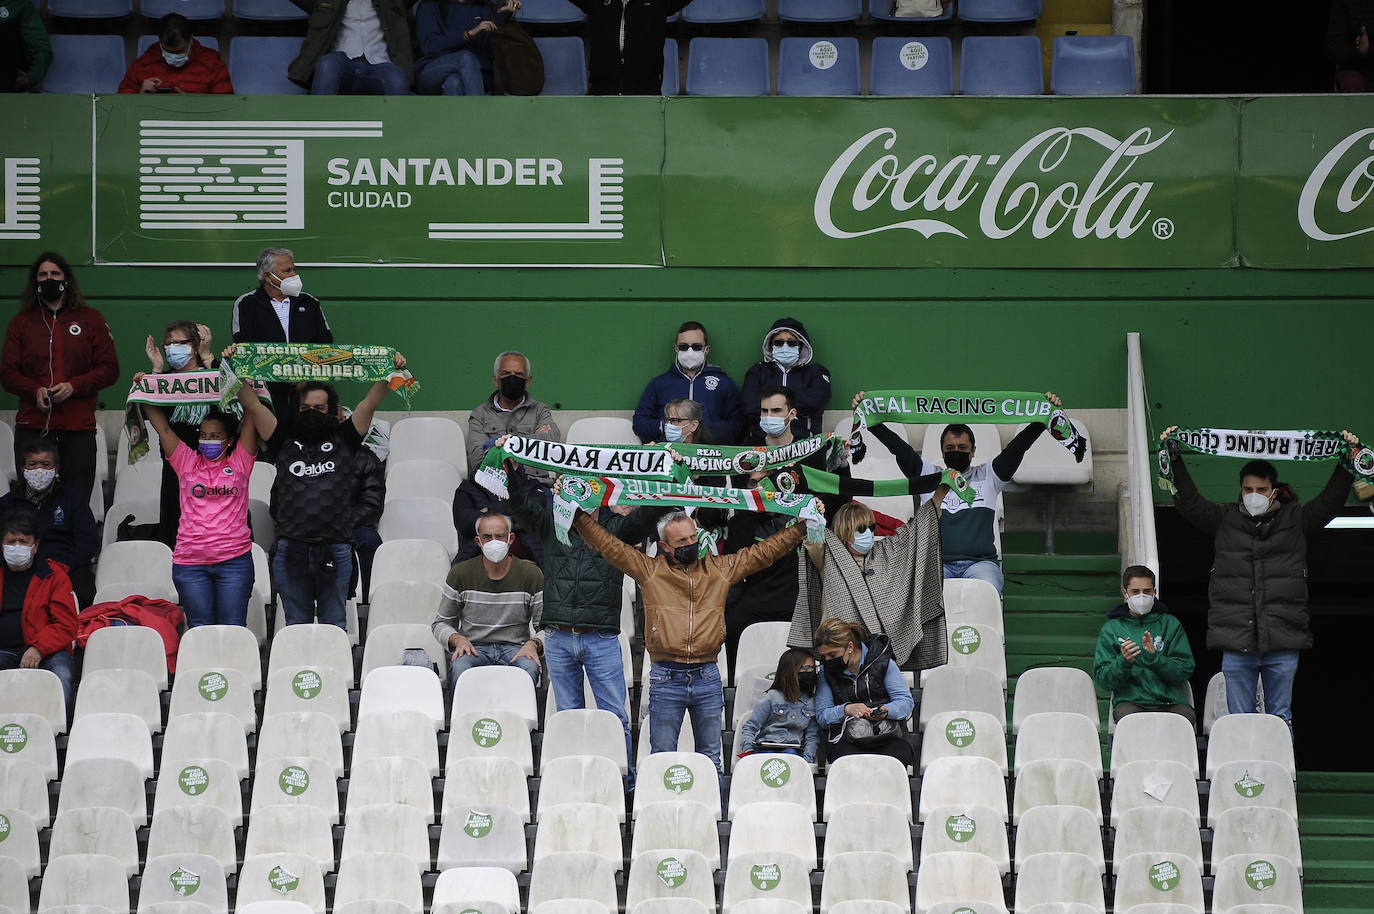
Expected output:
(691, 377)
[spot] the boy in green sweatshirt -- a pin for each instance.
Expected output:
(1142, 654)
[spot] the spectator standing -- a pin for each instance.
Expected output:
(455, 54)
(784, 719)
(491, 606)
(58, 355)
(1142, 657)
(25, 51)
(66, 527)
(176, 62)
(37, 613)
(1348, 44)
(277, 311)
(627, 44)
(691, 377)
(788, 362)
(861, 693)
(357, 47)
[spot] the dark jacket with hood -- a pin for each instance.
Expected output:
(808, 380)
(322, 29)
(1258, 591)
(66, 527)
(1154, 679)
(638, 70)
(712, 388)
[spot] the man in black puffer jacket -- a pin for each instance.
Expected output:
(1258, 592)
(627, 44)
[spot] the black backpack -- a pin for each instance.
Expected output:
(518, 65)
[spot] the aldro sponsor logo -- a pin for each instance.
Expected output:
(199, 490)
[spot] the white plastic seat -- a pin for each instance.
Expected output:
(260, 480)
(111, 736)
(196, 830)
(1155, 878)
(405, 733)
(139, 480)
(499, 688)
(391, 780)
(1059, 735)
(483, 835)
(316, 688)
(20, 842)
(222, 691)
(1245, 879)
(402, 603)
(953, 734)
(1047, 463)
(580, 906)
(310, 646)
(1060, 830)
(859, 876)
(571, 875)
(770, 906)
(1153, 784)
(1064, 689)
(410, 560)
(34, 691)
(387, 644)
(581, 828)
(198, 736)
(24, 788)
(1056, 782)
(460, 885)
(14, 884)
(216, 647)
(421, 479)
(303, 733)
(869, 906)
(1250, 737)
(126, 647)
(965, 829)
(1072, 907)
(685, 740)
(584, 732)
(955, 688)
(581, 779)
(125, 691)
(420, 518)
(669, 824)
(374, 906)
(204, 782)
(602, 430)
(1155, 736)
(652, 906)
(675, 873)
(963, 878)
(868, 827)
(496, 734)
(750, 684)
(761, 643)
(971, 601)
(428, 438)
(957, 781)
(681, 776)
(287, 829)
(768, 827)
(379, 877)
(29, 737)
(1256, 831)
(766, 777)
(83, 879)
(288, 878)
(1059, 877)
(866, 779)
(766, 877)
(1250, 783)
(98, 782)
(1214, 704)
(978, 647)
(119, 591)
(480, 781)
(170, 878)
(137, 561)
(274, 907)
(403, 688)
(142, 510)
(386, 828)
(1155, 830)
(296, 781)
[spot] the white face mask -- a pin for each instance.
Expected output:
(18, 556)
(1255, 504)
(692, 359)
(1140, 603)
(495, 550)
(176, 60)
(40, 478)
(671, 432)
(863, 542)
(290, 286)
(178, 354)
(786, 354)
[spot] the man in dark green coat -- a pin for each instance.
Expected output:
(354, 47)
(1258, 592)
(1143, 657)
(25, 51)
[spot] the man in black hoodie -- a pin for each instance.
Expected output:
(627, 44)
(788, 362)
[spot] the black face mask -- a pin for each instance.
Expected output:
(512, 388)
(834, 666)
(313, 425)
(686, 555)
(958, 460)
(807, 681)
(51, 290)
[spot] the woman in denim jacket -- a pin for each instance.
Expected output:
(784, 720)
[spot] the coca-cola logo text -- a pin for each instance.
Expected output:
(1356, 186)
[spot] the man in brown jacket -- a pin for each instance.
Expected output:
(684, 620)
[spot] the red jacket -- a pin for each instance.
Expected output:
(161, 616)
(83, 354)
(205, 73)
(49, 613)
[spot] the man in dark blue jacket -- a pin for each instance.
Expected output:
(691, 377)
(66, 526)
(788, 362)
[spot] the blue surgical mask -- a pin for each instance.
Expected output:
(863, 542)
(211, 450)
(786, 354)
(772, 425)
(176, 60)
(178, 354)
(672, 432)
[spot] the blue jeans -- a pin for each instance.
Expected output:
(456, 73)
(491, 654)
(597, 654)
(1244, 671)
(60, 664)
(336, 74)
(215, 594)
(680, 688)
(979, 570)
(318, 586)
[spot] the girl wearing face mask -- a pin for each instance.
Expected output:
(212, 564)
(784, 719)
(788, 361)
(861, 698)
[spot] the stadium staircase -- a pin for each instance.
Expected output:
(1336, 821)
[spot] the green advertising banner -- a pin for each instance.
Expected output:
(950, 182)
(45, 161)
(526, 181)
(1307, 182)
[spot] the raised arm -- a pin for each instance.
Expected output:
(362, 415)
(1318, 512)
(262, 418)
(755, 558)
(1008, 462)
(631, 561)
(1196, 510)
(158, 419)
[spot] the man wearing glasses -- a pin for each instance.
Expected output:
(691, 377)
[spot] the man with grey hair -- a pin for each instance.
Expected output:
(277, 311)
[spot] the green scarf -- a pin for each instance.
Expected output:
(186, 396)
(823, 483)
(591, 492)
(292, 362)
(649, 461)
(721, 460)
(987, 407)
(1252, 444)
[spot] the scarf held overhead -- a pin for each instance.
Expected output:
(987, 407)
(292, 362)
(721, 460)
(186, 396)
(823, 483)
(650, 461)
(1252, 444)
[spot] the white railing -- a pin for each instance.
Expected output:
(1139, 546)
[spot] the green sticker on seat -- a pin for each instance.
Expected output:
(293, 780)
(672, 872)
(1165, 875)
(477, 824)
(765, 876)
(960, 732)
(282, 880)
(678, 778)
(184, 882)
(306, 684)
(965, 639)
(486, 732)
(961, 829)
(4, 827)
(214, 686)
(194, 780)
(775, 772)
(1260, 875)
(769, 676)
(13, 738)
(1249, 787)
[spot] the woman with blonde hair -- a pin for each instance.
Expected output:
(861, 698)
